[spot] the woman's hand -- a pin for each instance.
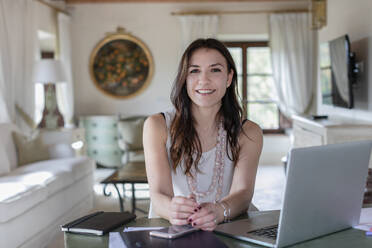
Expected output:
(181, 208)
(207, 216)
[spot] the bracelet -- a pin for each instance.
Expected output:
(226, 212)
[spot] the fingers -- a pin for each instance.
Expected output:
(183, 204)
(179, 215)
(201, 221)
(205, 218)
(192, 196)
(180, 210)
(209, 226)
(185, 201)
(178, 221)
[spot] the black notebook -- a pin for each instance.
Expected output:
(199, 239)
(98, 223)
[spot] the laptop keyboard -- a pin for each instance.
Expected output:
(267, 232)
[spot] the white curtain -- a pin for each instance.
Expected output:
(65, 91)
(5, 106)
(198, 26)
(18, 51)
(293, 47)
(7, 110)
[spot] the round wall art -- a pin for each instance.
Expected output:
(121, 65)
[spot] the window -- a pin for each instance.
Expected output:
(256, 85)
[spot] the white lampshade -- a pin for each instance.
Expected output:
(48, 71)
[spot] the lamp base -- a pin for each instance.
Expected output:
(52, 118)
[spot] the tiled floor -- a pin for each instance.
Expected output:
(269, 187)
(268, 194)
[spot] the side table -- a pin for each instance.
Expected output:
(132, 172)
(72, 136)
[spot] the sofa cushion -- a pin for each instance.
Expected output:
(65, 171)
(8, 155)
(37, 226)
(78, 166)
(86, 166)
(28, 185)
(44, 174)
(17, 197)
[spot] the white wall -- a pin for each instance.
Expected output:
(46, 18)
(153, 24)
(47, 24)
(353, 18)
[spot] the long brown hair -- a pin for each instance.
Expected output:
(185, 140)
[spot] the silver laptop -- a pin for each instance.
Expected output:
(323, 194)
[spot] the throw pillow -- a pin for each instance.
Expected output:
(4, 163)
(130, 131)
(8, 155)
(30, 149)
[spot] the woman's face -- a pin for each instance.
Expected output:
(207, 78)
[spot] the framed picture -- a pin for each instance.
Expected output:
(121, 65)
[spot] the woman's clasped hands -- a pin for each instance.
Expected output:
(185, 210)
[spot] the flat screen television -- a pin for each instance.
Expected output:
(337, 72)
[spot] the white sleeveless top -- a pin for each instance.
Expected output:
(203, 178)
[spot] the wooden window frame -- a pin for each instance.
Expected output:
(244, 45)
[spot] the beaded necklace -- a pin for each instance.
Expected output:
(218, 169)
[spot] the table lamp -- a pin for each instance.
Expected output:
(49, 72)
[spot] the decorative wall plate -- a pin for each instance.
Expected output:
(121, 65)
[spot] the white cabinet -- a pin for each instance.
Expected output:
(101, 136)
(308, 132)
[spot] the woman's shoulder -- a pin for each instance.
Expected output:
(160, 122)
(251, 131)
(155, 129)
(156, 121)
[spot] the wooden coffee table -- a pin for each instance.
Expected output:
(132, 172)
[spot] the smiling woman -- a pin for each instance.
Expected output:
(208, 78)
(201, 158)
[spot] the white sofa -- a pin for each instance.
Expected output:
(36, 198)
